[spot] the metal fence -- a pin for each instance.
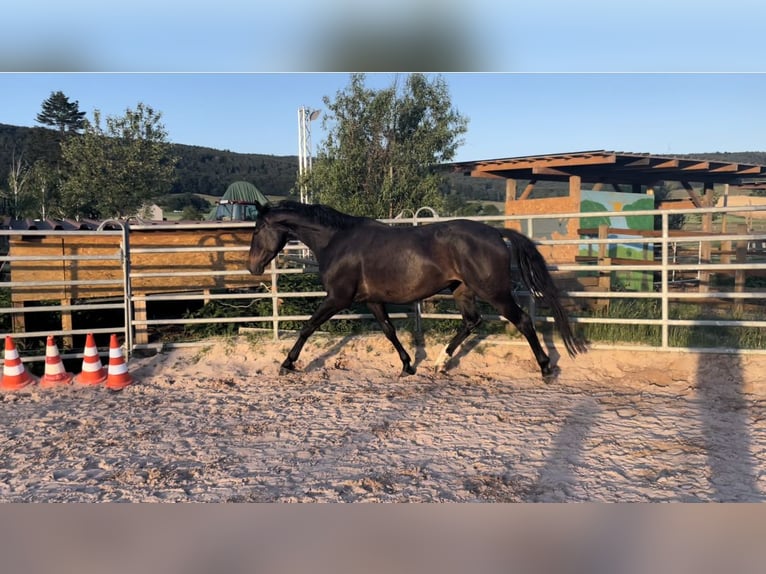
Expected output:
(748, 256)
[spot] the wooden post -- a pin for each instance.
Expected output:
(17, 319)
(510, 199)
(604, 277)
(142, 333)
(575, 189)
(707, 229)
(739, 274)
(66, 325)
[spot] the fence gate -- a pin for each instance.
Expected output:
(56, 281)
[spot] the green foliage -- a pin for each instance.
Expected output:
(382, 145)
(589, 206)
(209, 172)
(696, 336)
(59, 112)
(640, 221)
(474, 209)
(112, 171)
(5, 318)
(199, 170)
(191, 213)
(181, 201)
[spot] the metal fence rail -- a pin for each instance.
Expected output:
(296, 260)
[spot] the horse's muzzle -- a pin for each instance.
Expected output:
(256, 269)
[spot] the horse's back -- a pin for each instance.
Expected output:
(398, 264)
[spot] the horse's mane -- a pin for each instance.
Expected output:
(322, 214)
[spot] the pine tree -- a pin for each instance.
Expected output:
(58, 111)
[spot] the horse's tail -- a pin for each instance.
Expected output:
(534, 272)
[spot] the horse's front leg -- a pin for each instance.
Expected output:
(379, 312)
(327, 308)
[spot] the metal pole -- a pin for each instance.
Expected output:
(274, 299)
(127, 287)
(664, 277)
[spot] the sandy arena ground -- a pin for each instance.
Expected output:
(217, 423)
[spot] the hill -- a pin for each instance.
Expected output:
(200, 170)
(208, 172)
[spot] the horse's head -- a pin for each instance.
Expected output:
(269, 237)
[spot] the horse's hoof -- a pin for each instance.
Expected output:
(407, 370)
(442, 362)
(286, 369)
(550, 374)
(441, 368)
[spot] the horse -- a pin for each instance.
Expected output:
(365, 260)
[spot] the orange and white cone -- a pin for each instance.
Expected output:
(93, 372)
(118, 376)
(15, 374)
(55, 373)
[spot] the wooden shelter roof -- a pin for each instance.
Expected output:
(611, 167)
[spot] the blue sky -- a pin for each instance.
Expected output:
(302, 35)
(510, 114)
(549, 76)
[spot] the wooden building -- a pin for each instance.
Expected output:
(602, 170)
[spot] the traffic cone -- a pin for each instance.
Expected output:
(118, 376)
(93, 372)
(15, 374)
(55, 373)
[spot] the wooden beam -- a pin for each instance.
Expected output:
(477, 173)
(669, 164)
(692, 194)
(528, 189)
(696, 166)
(552, 162)
(725, 168)
(751, 170)
(549, 171)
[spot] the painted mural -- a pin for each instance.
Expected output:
(599, 201)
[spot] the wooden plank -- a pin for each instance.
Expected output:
(37, 271)
(192, 261)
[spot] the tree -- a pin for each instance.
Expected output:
(381, 148)
(59, 112)
(18, 198)
(114, 171)
(44, 188)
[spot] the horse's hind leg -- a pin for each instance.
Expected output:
(379, 312)
(327, 308)
(466, 302)
(522, 321)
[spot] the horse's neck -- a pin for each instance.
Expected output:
(314, 236)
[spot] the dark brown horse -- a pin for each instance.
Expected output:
(364, 260)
